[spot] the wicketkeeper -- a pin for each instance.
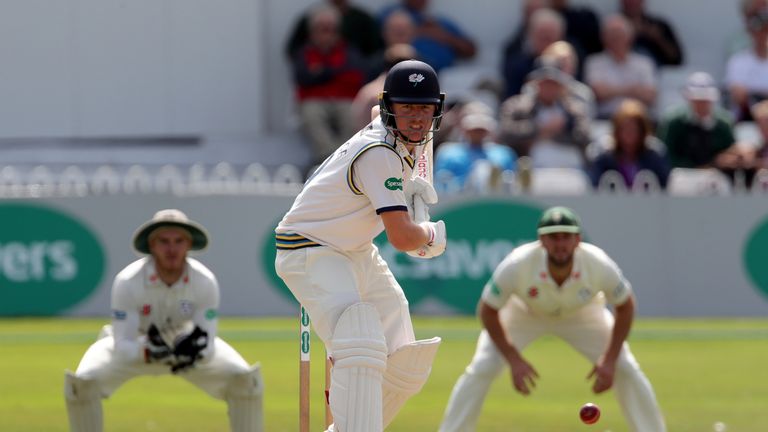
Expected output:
(164, 321)
(327, 258)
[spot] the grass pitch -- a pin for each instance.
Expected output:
(703, 371)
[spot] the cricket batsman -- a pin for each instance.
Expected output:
(164, 321)
(326, 255)
(557, 285)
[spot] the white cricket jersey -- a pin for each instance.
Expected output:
(523, 273)
(140, 298)
(341, 203)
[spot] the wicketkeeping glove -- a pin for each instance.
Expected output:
(437, 243)
(187, 349)
(155, 349)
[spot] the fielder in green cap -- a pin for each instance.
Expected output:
(557, 285)
(559, 219)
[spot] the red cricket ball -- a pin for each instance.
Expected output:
(589, 413)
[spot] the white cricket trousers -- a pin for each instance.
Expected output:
(212, 376)
(326, 282)
(588, 330)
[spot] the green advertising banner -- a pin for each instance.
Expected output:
(756, 257)
(684, 257)
(49, 261)
(480, 235)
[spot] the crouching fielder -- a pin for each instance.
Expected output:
(557, 285)
(164, 320)
(327, 258)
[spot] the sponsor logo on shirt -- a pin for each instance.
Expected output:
(393, 183)
(495, 290)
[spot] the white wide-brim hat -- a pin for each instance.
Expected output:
(170, 218)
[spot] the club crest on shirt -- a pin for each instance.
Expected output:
(533, 292)
(146, 309)
(186, 307)
(393, 183)
(585, 294)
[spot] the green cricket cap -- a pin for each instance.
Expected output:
(559, 219)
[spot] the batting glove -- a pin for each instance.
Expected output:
(436, 244)
(418, 194)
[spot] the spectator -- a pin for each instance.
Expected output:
(455, 111)
(328, 73)
(368, 96)
(700, 135)
(517, 42)
(746, 75)
(439, 41)
(548, 124)
(654, 37)
(760, 152)
(632, 147)
(741, 40)
(476, 162)
(617, 72)
(358, 28)
(545, 28)
(562, 55)
(397, 29)
(582, 28)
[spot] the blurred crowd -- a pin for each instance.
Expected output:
(577, 95)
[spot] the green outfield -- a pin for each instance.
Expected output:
(704, 371)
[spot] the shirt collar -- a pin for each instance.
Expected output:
(152, 279)
(404, 153)
(543, 273)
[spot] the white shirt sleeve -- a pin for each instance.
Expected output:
(129, 345)
(378, 173)
(616, 287)
(207, 314)
(502, 284)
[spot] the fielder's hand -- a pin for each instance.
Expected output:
(418, 194)
(436, 245)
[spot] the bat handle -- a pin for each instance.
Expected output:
(420, 210)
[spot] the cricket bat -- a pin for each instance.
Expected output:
(424, 169)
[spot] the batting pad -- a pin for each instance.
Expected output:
(407, 370)
(244, 397)
(359, 350)
(83, 404)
